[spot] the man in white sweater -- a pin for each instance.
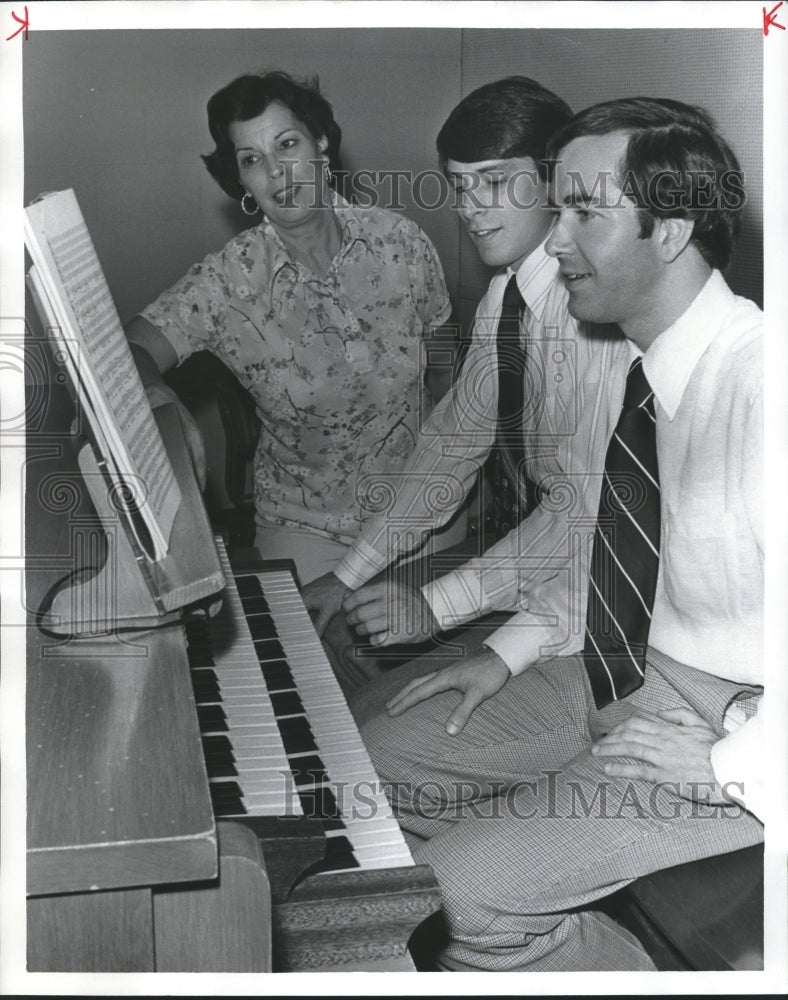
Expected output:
(579, 759)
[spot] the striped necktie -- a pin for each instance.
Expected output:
(511, 493)
(625, 558)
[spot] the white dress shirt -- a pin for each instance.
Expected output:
(706, 373)
(571, 365)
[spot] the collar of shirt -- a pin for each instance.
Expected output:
(535, 277)
(670, 361)
(352, 231)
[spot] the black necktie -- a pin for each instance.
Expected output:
(511, 494)
(625, 558)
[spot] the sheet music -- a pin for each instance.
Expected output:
(71, 290)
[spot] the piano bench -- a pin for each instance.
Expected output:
(705, 915)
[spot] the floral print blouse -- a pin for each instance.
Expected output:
(334, 364)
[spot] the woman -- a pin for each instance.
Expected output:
(319, 310)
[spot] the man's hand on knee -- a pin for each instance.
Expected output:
(478, 677)
(674, 749)
(390, 612)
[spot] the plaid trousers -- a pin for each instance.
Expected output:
(520, 823)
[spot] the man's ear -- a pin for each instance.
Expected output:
(673, 236)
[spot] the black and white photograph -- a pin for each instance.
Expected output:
(392, 431)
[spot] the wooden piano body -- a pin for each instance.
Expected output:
(128, 867)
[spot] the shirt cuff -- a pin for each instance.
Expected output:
(519, 642)
(737, 761)
(359, 564)
(451, 601)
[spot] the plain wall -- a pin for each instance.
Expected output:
(120, 117)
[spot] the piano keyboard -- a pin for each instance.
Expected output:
(278, 736)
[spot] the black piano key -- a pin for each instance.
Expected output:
(217, 744)
(218, 749)
(235, 808)
(220, 767)
(255, 605)
(248, 586)
(205, 685)
(198, 643)
(205, 674)
(319, 803)
(278, 676)
(227, 798)
(297, 735)
(212, 719)
(219, 755)
(199, 654)
(262, 627)
(269, 649)
(308, 770)
(226, 790)
(339, 855)
(286, 703)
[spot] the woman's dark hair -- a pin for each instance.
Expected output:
(510, 117)
(676, 166)
(247, 97)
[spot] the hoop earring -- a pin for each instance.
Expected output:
(247, 211)
(327, 175)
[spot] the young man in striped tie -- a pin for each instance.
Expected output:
(527, 401)
(586, 757)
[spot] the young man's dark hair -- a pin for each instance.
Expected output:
(501, 120)
(676, 165)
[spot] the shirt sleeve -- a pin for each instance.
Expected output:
(566, 459)
(453, 443)
(193, 313)
(737, 760)
(553, 624)
(754, 462)
(530, 555)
